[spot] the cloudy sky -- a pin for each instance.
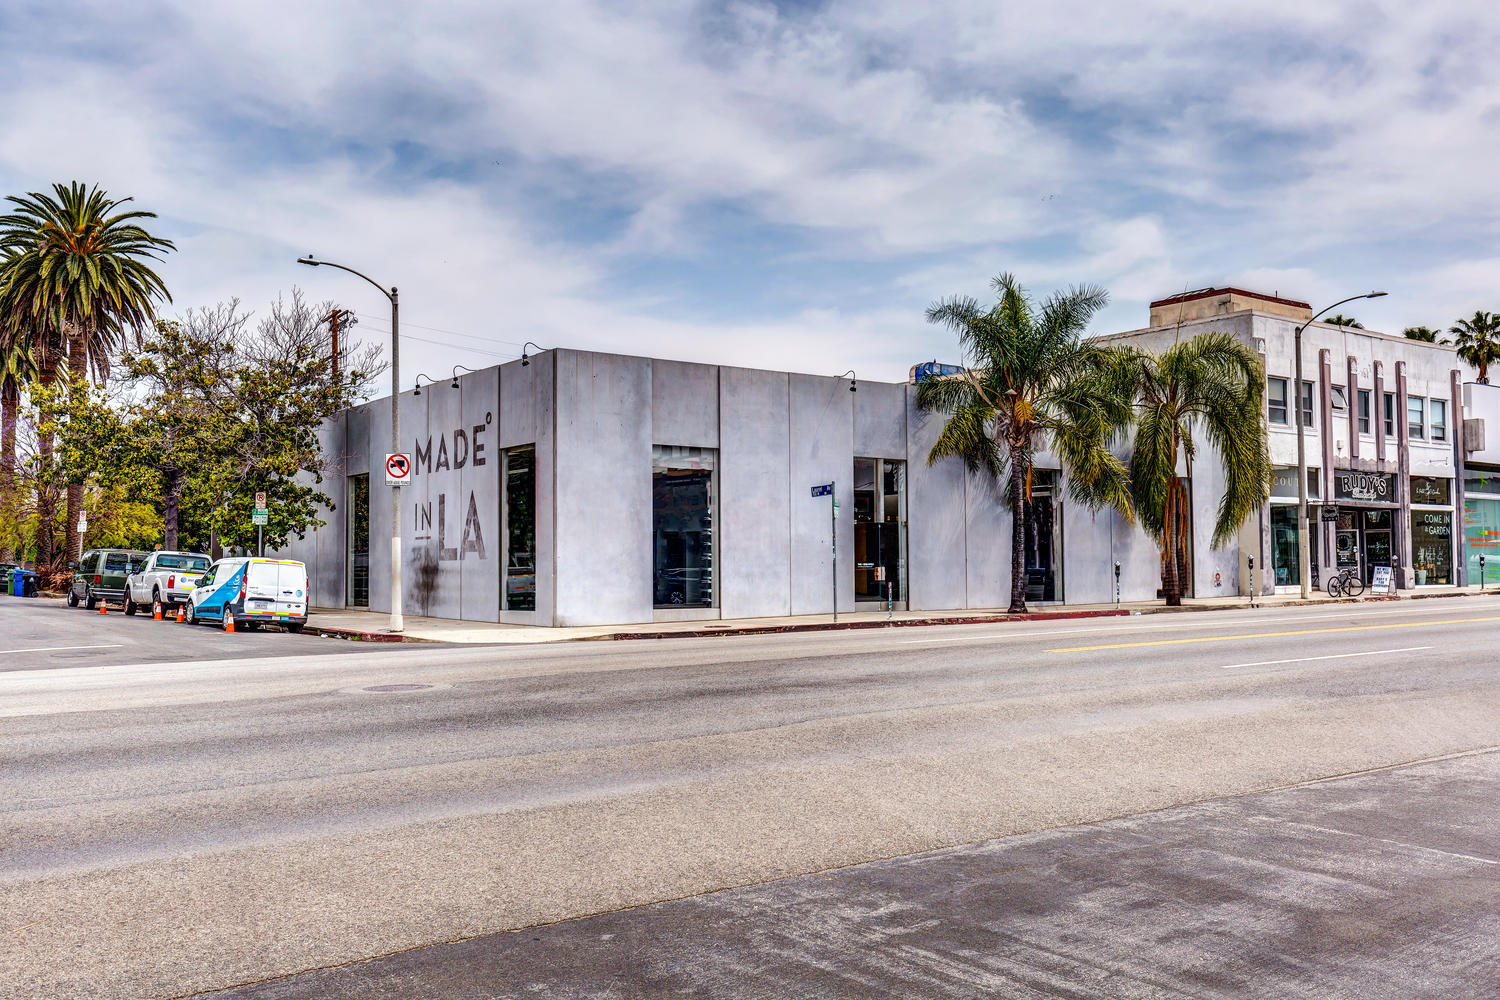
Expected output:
(782, 185)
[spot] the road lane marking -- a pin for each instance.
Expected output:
(54, 649)
(1277, 635)
(1330, 656)
(1394, 843)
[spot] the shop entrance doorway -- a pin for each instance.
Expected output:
(879, 531)
(1363, 540)
(1041, 537)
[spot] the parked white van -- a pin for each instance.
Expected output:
(251, 592)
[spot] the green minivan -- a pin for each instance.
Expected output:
(100, 576)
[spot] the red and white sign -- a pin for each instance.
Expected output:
(397, 470)
(260, 501)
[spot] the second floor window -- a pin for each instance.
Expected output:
(1390, 414)
(1439, 425)
(1364, 411)
(1307, 404)
(1338, 398)
(1276, 400)
(1416, 409)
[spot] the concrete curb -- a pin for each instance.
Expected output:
(358, 635)
(843, 626)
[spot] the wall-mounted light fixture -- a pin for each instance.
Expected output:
(526, 358)
(430, 381)
(853, 382)
(467, 371)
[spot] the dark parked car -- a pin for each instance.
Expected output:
(100, 576)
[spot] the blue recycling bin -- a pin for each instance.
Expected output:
(18, 582)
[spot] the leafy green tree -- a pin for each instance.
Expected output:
(1030, 380)
(1209, 386)
(76, 261)
(1339, 319)
(1478, 341)
(17, 371)
(1425, 334)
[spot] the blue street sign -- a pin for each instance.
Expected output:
(826, 490)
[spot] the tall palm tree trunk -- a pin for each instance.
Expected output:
(1169, 584)
(46, 498)
(10, 405)
(77, 374)
(171, 503)
(1017, 529)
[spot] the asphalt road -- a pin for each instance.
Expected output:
(174, 827)
(1377, 886)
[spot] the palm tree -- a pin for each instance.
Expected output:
(1478, 341)
(1425, 334)
(1029, 379)
(1211, 385)
(1339, 319)
(76, 256)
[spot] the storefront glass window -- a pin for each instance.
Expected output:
(682, 522)
(1284, 545)
(1481, 479)
(1482, 536)
(879, 530)
(1432, 546)
(359, 541)
(519, 470)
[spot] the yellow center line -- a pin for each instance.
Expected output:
(1274, 635)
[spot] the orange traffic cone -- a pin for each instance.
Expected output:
(180, 616)
(103, 608)
(229, 625)
(156, 612)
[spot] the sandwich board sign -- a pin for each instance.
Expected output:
(1383, 583)
(397, 470)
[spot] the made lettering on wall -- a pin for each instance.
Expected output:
(460, 448)
(467, 448)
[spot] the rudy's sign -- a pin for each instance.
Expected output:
(1365, 487)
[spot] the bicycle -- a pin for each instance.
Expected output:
(1346, 583)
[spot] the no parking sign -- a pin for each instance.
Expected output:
(397, 470)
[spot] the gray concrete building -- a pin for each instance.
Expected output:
(581, 488)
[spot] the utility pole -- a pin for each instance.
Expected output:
(334, 319)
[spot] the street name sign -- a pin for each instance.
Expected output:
(397, 470)
(826, 490)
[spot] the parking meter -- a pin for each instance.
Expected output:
(1117, 583)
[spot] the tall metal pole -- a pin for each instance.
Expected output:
(397, 625)
(833, 513)
(1304, 567)
(1304, 561)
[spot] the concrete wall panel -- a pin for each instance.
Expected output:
(822, 451)
(880, 420)
(684, 404)
(519, 392)
(541, 390)
(754, 494)
(442, 451)
(376, 441)
(937, 574)
(603, 498)
(987, 528)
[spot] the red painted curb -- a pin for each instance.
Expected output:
(355, 635)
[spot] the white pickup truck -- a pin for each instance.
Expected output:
(166, 578)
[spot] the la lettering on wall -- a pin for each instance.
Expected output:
(468, 449)
(1365, 487)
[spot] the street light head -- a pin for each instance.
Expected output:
(1374, 295)
(309, 260)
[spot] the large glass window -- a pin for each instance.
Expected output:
(683, 496)
(879, 535)
(1284, 545)
(359, 541)
(1416, 409)
(1276, 400)
(1364, 411)
(518, 469)
(1439, 426)
(1432, 546)
(1482, 537)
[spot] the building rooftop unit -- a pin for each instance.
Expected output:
(1205, 303)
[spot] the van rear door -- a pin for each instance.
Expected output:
(261, 589)
(291, 598)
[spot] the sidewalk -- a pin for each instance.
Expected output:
(368, 625)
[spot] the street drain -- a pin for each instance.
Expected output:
(383, 688)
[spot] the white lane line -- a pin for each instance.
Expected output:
(1394, 843)
(54, 649)
(1331, 656)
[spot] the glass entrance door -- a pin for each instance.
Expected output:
(359, 542)
(879, 530)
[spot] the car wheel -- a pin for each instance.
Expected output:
(72, 598)
(88, 600)
(227, 621)
(156, 605)
(129, 603)
(192, 613)
(294, 627)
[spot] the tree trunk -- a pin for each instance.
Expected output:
(1017, 530)
(46, 498)
(172, 503)
(77, 375)
(10, 405)
(1169, 550)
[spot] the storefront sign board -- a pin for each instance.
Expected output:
(1365, 487)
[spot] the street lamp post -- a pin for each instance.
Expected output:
(1304, 561)
(396, 624)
